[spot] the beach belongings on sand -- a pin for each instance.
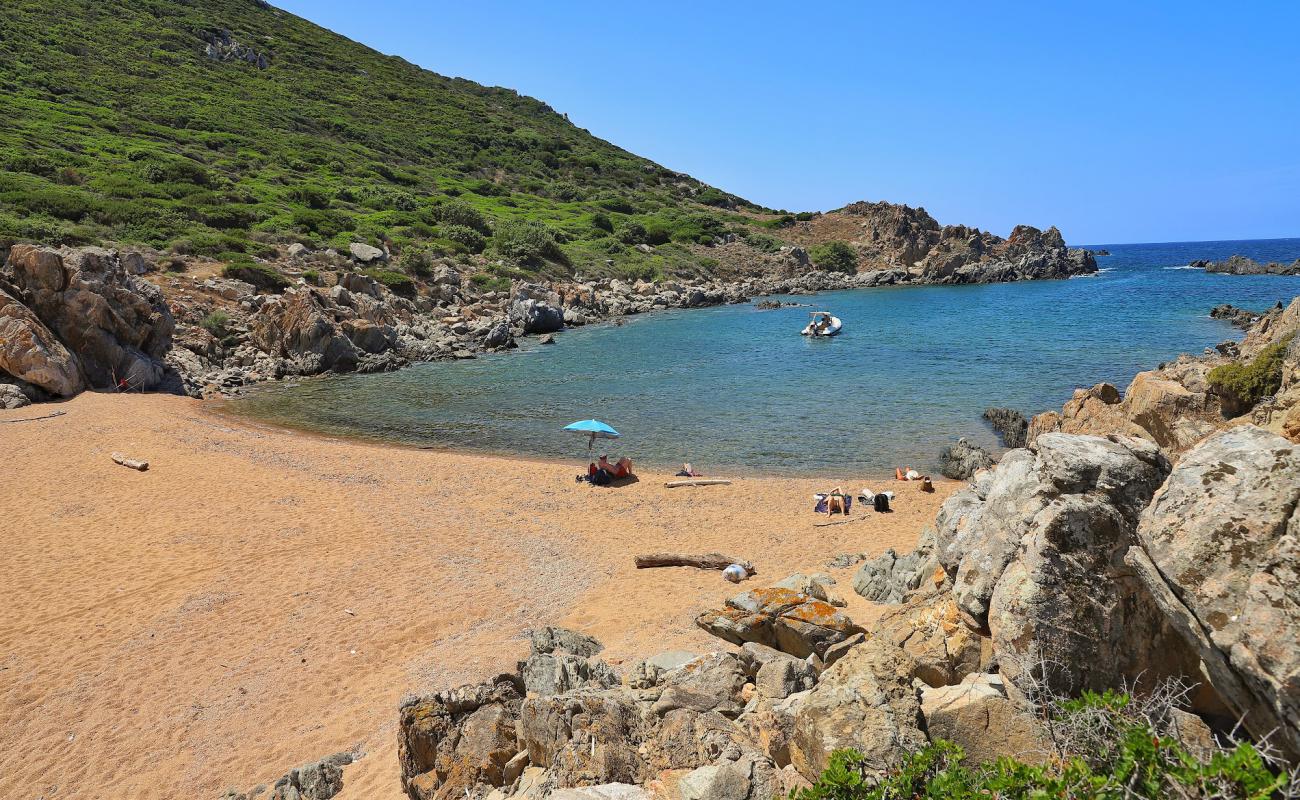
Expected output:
(704, 561)
(735, 573)
(687, 471)
(130, 463)
(698, 482)
(927, 485)
(880, 502)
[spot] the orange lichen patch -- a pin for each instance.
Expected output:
(816, 612)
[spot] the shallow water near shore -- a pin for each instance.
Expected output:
(737, 388)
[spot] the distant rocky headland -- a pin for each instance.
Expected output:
(1240, 265)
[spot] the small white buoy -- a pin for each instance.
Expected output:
(734, 573)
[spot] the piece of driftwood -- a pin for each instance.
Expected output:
(705, 561)
(34, 419)
(698, 482)
(130, 463)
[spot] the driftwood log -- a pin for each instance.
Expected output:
(704, 561)
(698, 482)
(130, 463)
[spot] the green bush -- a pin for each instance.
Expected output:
(526, 242)
(1244, 385)
(215, 323)
(312, 277)
(460, 213)
(263, 278)
(835, 257)
(396, 282)
(1121, 756)
(473, 241)
(490, 283)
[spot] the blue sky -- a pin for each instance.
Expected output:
(1117, 122)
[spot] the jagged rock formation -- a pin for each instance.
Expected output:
(1033, 549)
(892, 236)
(889, 577)
(78, 319)
(220, 45)
(782, 618)
(1240, 265)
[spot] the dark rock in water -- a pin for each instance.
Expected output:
(1010, 424)
(1102, 252)
(766, 305)
(962, 460)
(1239, 317)
(1240, 265)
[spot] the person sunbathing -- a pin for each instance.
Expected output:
(619, 469)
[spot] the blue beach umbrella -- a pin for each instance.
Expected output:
(594, 428)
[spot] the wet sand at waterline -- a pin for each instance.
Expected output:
(261, 598)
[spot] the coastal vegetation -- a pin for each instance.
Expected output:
(220, 129)
(1106, 747)
(1244, 384)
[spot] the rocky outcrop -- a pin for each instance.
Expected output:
(1010, 424)
(1220, 554)
(300, 328)
(221, 45)
(535, 309)
(562, 660)
(1237, 317)
(115, 323)
(320, 780)
(787, 620)
(1035, 551)
(30, 352)
(1240, 265)
(929, 630)
(892, 236)
(961, 460)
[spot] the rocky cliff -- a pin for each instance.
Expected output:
(1241, 265)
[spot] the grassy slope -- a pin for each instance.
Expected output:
(119, 127)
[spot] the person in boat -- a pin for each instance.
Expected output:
(619, 469)
(823, 323)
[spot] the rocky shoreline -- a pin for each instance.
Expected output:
(1241, 265)
(203, 334)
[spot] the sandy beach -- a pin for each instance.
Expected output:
(261, 598)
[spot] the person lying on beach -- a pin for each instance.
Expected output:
(619, 469)
(835, 502)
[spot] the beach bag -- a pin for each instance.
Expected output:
(600, 477)
(881, 503)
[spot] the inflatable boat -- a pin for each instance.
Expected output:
(823, 323)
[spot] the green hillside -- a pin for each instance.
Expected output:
(146, 122)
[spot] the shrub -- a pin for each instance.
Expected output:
(490, 283)
(215, 323)
(461, 213)
(312, 277)
(396, 282)
(312, 196)
(713, 197)
(601, 222)
(1244, 385)
(835, 257)
(1114, 747)
(527, 242)
(632, 233)
(465, 235)
(262, 277)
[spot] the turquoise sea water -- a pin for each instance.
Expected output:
(736, 388)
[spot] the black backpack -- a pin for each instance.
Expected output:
(881, 503)
(601, 477)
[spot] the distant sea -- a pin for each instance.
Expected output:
(737, 390)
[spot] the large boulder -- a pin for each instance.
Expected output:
(1035, 551)
(586, 736)
(562, 660)
(455, 741)
(534, 316)
(1220, 554)
(787, 620)
(928, 628)
(864, 701)
(978, 715)
(117, 324)
(29, 351)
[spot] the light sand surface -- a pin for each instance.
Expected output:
(261, 598)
